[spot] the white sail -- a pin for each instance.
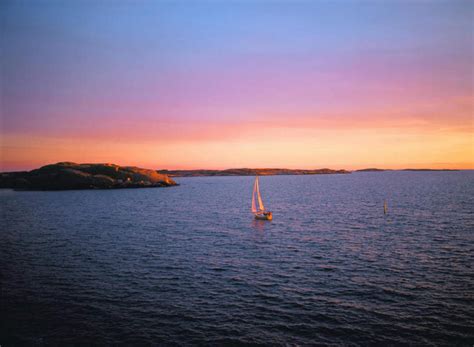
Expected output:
(260, 202)
(254, 206)
(256, 197)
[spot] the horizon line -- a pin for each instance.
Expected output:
(336, 168)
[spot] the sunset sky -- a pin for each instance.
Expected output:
(214, 84)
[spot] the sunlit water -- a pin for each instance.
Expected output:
(189, 265)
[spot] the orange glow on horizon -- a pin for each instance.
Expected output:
(420, 136)
(409, 144)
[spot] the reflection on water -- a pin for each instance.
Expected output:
(191, 265)
(259, 225)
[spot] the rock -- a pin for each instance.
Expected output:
(68, 175)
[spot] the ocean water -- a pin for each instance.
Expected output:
(189, 265)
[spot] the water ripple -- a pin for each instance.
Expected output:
(189, 266)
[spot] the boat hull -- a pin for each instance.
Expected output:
(266, 216)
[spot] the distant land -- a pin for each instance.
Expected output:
(370, 170)
(250, 172)
(430, 170)
(67, 175)
(381, 170)
(274, 172)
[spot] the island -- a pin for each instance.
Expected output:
(68, 175)
(250, 172)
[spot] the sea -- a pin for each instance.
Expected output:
(189, 265)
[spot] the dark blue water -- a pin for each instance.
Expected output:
(189, 265)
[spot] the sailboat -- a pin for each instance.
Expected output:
(260, 212)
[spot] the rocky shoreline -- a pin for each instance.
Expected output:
(67, 175)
